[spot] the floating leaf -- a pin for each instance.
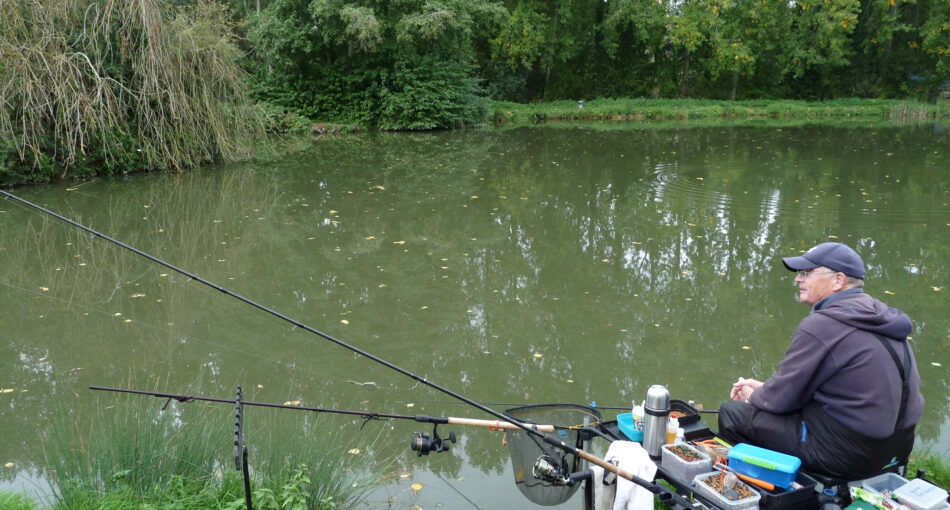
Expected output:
(137, 295)
(44, 289)
(332, 211)
(936, 289)
(570, 381)
(344, 321)
(416, 486)
(8, 464)
(353, 451)
(934, 363)
(538, 355)
(889, 292)
(746, 348)
(405, 475)
(399, 242)
(410, 404)
(6, 390)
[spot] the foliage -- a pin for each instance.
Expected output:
(12, 501)
(403, 65)
(113, 86)
(936, 468)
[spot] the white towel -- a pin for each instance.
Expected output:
(631, 457)
(604, 492)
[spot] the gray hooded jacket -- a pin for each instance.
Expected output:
(835, 359)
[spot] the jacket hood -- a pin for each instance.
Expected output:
(865, 312)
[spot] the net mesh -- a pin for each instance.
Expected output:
(525, 448)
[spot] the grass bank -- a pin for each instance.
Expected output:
(127, 453)
(698, 109)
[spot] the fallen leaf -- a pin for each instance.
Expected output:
(410, 405)
(416, 486)
(399, 242)
(889, 292)
(344, 321)
(746, 348)
(353, 451)
(570, 381)
(937, 289)
(538, 355)
(934, 363)
(44, 289)
(6, 390)
(370, 238)
(8, 464)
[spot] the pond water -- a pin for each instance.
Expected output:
(552, 264)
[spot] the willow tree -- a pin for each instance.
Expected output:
(111, 86)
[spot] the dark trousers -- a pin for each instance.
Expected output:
(823, 445)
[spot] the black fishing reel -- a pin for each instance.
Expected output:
(423, 444)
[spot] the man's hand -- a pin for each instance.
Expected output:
(743, 388)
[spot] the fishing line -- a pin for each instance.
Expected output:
(265, 309)
(110, 313)
(660, 491)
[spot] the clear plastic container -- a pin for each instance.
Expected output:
(682, 469)
(886, 482)
(700, 487)
(921, 495)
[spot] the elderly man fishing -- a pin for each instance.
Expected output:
(846, 397)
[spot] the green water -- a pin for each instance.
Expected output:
(557, 264)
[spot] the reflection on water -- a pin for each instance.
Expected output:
(520, 266)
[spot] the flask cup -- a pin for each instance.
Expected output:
(656, 410)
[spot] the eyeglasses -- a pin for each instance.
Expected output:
(808, 272)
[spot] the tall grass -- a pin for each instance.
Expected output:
(129, 453)
(123, 84)
(13, 501)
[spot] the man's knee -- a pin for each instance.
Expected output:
(731, 420)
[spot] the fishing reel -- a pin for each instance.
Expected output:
(423, 444)
(548, 470)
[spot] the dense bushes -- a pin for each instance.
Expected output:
(117, 86)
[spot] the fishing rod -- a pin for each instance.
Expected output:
(422, 443)
(660, 491)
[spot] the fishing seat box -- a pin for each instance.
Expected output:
(766, 465)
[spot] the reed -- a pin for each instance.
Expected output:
(119, 85)
(128, 453)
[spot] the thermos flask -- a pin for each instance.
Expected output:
(656, 410)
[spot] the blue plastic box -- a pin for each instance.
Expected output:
(625, 424)
(766, 465)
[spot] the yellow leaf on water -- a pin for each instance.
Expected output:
(474, 196)
(6, 390)
(410, 404)
(44, 289)
(889, 292)
(8, 464)
(570, 381)
(416, 486)
(405, 475)
(353, 451)
(399, 242)
(936, 289)
(344, 321)
(332, 211)
(538, 355)
(370, 238)
(934, 363)
(746, 348)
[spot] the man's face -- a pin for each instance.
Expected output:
(815, 284)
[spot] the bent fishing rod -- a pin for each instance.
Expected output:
(553, 441)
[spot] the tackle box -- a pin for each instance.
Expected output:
(766, 465)
(804, 496)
